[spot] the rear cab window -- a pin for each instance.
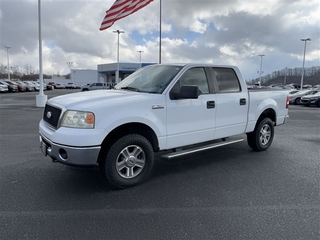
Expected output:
(226, 80)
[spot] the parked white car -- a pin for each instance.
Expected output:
(4, 88)
(59, 86)
(70, 86)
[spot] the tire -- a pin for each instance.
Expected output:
(262, 136)
(128, 161)
(297, 101)
(318, 103)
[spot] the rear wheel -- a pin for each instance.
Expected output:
(262, 136)
(128, 161)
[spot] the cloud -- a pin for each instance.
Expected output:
(221, 32)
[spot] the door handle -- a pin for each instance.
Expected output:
(243, 101)
(211, 104)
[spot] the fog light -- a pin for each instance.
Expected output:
(63, 154)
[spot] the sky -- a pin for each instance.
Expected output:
(223, 32)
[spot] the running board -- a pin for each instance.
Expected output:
(199, 149)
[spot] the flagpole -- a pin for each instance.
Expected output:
(117, 72)
(160, 33)
(41, 99)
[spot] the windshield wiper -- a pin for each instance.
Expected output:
(131, 89)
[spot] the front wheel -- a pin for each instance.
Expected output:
(261, 138)
(128, 161)
(297, 101)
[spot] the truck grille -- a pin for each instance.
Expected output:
(51, 115)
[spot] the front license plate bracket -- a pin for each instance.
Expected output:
(44, 148)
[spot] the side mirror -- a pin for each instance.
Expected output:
(189, 92)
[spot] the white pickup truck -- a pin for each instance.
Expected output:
(159, 107)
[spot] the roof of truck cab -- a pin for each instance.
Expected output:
(196, 64)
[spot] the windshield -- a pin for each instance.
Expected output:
(315, 94)
(150, 79)
(301, 92)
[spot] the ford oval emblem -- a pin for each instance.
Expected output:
(49, 115)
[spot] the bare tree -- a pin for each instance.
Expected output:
(16, 71)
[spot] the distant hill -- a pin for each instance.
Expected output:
(291, 75)
(312, 80)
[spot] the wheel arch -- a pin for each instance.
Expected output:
(131, 128)
(268, 113)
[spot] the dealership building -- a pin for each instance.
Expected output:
(105, 73)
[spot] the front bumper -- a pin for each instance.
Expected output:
(309, 101)
(69, 155)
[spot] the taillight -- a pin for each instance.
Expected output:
(288, 100)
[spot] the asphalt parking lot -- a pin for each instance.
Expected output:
(225, 193)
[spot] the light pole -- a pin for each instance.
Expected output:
(117, 73)
(140, 57)
(70, 65)
(260, 72)
(8, 61)
(304, 56)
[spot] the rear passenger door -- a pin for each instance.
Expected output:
(231, 103)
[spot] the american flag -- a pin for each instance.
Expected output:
(121, 9)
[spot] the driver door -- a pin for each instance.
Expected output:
(191, 121)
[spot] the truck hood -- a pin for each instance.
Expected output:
(93, 99)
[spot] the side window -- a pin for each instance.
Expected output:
(99, 84)
(227, 80)
(195, 76)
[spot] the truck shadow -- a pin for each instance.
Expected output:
(86, 180)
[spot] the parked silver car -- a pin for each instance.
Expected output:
(28, 87)
(313, 99)
(94, 86)
(33, 85)
(12, 87)
(296, 97)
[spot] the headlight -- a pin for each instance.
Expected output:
(77, 119)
